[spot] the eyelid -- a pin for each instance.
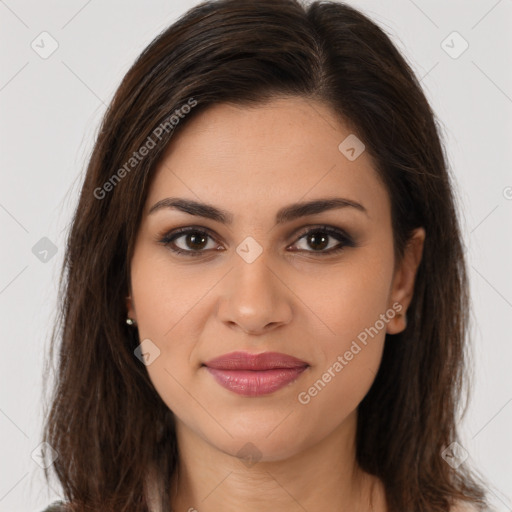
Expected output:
(345, 239)
(331, 230)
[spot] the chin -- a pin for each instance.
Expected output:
(251, 449)
(261, 437)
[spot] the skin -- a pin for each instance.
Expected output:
(251, 162)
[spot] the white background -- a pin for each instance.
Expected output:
(50, 112)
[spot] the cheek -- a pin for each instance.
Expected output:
(354, 311)
(349, 298)
(167, 299)
(349, 364)
(164, 292)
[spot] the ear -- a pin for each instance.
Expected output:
(130, 310)
(402, 288)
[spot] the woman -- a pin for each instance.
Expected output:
(265, 301)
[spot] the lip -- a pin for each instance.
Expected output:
(247, 361)
(255, 374)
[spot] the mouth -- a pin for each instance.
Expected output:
(255, 374)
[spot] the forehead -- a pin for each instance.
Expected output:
(284, 150)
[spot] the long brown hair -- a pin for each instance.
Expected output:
(106, 421)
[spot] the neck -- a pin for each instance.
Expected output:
(322, 476)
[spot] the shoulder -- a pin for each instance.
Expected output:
(56, 506)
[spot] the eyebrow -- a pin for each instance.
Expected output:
(285, 214)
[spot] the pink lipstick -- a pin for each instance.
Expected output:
(255, 374)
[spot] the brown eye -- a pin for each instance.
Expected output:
(195, 240)
(323, 240)
(318, 240)
(192, 241)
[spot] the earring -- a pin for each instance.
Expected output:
(129, 321)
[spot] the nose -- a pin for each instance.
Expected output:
(255, 297)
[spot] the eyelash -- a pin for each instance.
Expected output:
(344, 239)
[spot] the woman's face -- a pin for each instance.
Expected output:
(254, 281)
